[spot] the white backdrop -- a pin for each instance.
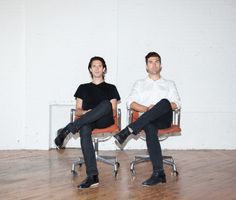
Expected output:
(46, 45)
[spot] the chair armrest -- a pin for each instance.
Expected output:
(72, 114)
(119, 118)
(176, 117)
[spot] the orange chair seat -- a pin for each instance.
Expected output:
(172, 129)
(111, 129)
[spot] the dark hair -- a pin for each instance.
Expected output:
(103, 64)
(152, 54)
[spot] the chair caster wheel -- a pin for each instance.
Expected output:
(132, 172)
(115, 173)
(175, 173)
(116, 167)
(74, 173)
(117, 164)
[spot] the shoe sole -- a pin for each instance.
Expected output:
(118, 144)
(160, 183)
(91, 186)
(58, 147)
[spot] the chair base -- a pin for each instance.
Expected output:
(110, 160)
(168, 160)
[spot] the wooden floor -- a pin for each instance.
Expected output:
(37, 175)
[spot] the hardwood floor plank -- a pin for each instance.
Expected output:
(44, 175)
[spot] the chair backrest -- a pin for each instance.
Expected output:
(116, 127)
(173, 130)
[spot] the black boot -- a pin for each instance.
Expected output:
(122, 136)
(90, 181)
(61, 135)
(155, 179)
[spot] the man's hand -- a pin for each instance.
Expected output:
(80, 112)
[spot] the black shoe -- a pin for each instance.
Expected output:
(61, 135)
(122, 136)
(90, 181)
(155, 179)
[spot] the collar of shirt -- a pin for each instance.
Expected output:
(148, 79)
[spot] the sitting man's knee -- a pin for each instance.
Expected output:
(165, 102)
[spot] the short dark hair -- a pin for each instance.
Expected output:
(103, 64)
(152, 54)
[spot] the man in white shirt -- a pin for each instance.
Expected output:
(155, 97)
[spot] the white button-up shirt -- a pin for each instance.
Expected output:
(147, 91)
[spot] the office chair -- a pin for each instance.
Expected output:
(163, 134)
(101, 135)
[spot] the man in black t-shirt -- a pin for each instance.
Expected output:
(96, 104)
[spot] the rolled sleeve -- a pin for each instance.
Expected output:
(174, 95)
(134, 95)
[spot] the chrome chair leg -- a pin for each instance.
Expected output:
(168, 160)
(76, 163)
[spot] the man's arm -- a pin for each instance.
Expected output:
(114, 106)
(79, 111)
(174, 97)
(134, 96)
(138, 107)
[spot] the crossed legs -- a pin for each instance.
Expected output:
(99, 117)
(160, 116)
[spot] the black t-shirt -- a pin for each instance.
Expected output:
(93, 94)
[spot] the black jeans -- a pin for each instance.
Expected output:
(158, 117)
(99, 117)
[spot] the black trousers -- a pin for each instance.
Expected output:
(99, 117)
(158, 117)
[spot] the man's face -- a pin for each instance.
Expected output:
(97, 69)
(153, 65)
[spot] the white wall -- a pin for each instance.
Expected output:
(12, 74)
(197, 42)
(46, 46)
